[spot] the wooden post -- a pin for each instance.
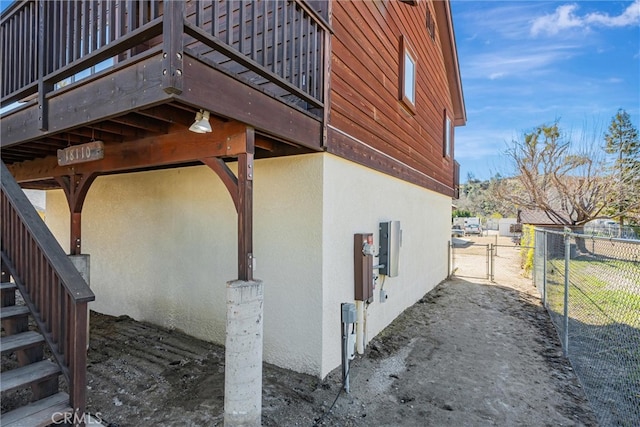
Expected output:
(44, 63)
(75, 188)
(172, 55)
(245, 209)
(78, 370)
(75, 241)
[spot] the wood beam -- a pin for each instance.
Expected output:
(144, 123)
(169, 114)
(264, 143)
(31, 151)
(127, 89)
(215, 91)
(75, 189)
(113, 128)
(57, 139)
(227, 140)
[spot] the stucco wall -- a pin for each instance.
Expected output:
(163, 246)
(356, 200)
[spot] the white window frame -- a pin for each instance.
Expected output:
(447, 140)
(408, 75)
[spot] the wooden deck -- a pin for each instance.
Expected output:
(128, 71)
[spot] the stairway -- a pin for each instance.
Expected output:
(35, 379)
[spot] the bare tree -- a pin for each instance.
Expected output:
(568, 183)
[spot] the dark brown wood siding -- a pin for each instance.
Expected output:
(364, 97)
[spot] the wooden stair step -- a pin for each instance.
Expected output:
(27, 375)
(13, 311)
(7, 286)
(7, 294)
(20, 341)
(40, 413)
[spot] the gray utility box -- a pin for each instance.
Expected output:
(390, 241)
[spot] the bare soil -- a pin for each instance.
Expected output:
(469, 353)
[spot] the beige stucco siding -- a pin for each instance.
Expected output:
(163, 246)
(356, 200)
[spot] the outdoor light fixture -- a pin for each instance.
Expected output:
(201, 125)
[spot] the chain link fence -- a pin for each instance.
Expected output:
(591, 289)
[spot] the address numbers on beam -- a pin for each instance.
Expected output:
(81, 153)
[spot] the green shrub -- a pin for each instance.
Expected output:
(527, 244)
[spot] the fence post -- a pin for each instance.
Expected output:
(449, 250)
(491, 262)
(488, 262)
(534, 269)
(567, 260)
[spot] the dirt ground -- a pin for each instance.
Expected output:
(469, 353)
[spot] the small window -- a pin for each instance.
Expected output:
(408, 68)
(448, 136)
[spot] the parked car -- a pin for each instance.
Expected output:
(457, 231)
(473, 229)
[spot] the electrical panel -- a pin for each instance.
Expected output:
(349, 338)
(363, 266)
(390, 241)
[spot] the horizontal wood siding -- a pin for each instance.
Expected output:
(366, 50)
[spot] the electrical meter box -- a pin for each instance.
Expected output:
(363, 266)
(390, 242)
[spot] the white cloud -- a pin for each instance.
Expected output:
(519, 61)
(631, 16)
(562, 19)
(565, 17)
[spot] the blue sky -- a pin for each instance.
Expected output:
(527, 63)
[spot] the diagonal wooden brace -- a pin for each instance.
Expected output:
(75, 189)
(241, 190)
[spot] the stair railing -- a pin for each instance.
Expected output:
(52, 287)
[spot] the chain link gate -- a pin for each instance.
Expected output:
(472, 258)
(475, 258)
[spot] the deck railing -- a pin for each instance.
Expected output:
(51, 286)
(49, 41)
(278, 40)
(47, 44)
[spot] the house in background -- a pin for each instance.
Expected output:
(327, 118)
(539, 218)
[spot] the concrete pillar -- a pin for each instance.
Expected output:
(243, 354)
(83, 264)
